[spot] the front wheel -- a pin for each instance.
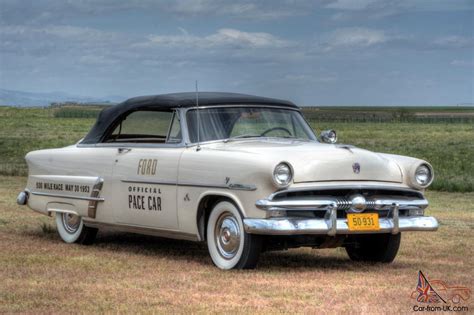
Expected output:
(373, 247)
(229, 245)
(71, 229)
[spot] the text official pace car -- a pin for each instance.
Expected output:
(240, 172)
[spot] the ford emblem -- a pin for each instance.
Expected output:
(356, 168)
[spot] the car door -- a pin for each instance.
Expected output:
(146, 169)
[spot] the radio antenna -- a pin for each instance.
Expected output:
(198, 118)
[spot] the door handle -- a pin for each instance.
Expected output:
(123, 150)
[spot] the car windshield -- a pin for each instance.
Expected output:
(227, 123)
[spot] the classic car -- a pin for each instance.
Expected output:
(455, 294)
(244, 174)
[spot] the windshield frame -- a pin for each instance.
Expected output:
(188, 142)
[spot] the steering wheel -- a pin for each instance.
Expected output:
(275, 128)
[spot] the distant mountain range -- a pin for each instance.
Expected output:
(27, 99)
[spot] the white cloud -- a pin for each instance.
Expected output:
(42, 12)
(413, 5)
(355, 37)
(298, 77)
(223, 37)
(454, 41)
(79, 49)
(94, 60)
(309, 78)
(65, 32)
(350, 4)
(231, 36)
(47, 11)
(364, 9)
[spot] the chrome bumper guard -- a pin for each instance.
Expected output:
(331, 225)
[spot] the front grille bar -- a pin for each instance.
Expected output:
(324, 204)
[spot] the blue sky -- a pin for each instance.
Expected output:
(323, 52)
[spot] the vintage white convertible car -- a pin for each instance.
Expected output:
(240, 172)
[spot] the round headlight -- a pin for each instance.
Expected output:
(282, 175)
(423, 175)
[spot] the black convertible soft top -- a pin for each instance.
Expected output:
(110, 115)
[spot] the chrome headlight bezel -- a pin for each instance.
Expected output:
(423, 169)
(288, 169)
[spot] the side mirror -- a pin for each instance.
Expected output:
(328, 136)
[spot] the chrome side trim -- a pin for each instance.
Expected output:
(150, 182)
(113, 145)
(62, 211)
(143, 230)
(92, 207)
(189, 184)
(37, 193)
(242, 187)
(228, 186)
(289, 226)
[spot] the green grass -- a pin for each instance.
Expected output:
(127, 273)
(26, 129)
(449, 147)
(77, 112)
(447, 144)
(390, 114)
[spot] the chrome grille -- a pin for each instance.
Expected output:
(355, 199)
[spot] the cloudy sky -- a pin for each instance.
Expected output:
(331, 52)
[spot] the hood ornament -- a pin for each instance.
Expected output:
(356, 168)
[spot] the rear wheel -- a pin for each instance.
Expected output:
(373, 247)
(71, 229)
(230, 247)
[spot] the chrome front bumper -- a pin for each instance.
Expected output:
(330, 224)
(289, 226)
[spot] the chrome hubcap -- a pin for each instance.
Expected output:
(227, 235)
(71, 222)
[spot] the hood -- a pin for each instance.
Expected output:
(313, 161)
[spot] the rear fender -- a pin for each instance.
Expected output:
(58, 193)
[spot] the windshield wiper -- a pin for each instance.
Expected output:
(241, 137)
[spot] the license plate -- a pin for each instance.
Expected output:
(363, 221)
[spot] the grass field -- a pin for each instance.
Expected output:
(138, 274)
(447, 143)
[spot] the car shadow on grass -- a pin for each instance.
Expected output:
(275, 261)
(271, 260)
(151, 246)
(298, 260)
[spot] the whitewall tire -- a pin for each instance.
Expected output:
(71, 229)
(230, 247)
